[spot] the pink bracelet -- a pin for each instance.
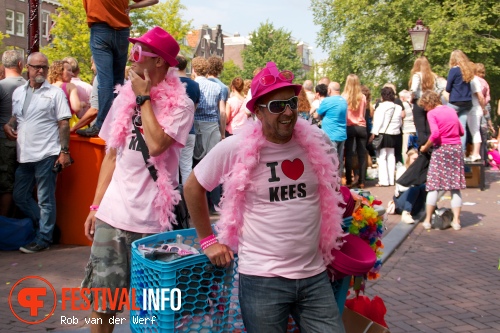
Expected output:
(208, 241)
(94, 207)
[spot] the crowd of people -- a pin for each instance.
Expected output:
(169, 134)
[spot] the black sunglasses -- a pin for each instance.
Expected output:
(37, 68)
(279, 106)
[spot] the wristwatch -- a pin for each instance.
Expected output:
(139, 100)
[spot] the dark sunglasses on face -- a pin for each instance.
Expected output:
(279, 106)
(37, 68)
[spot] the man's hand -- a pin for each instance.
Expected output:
(90, 225)
(140, 86)
(64, 160)
(10, 132)
(219, 254)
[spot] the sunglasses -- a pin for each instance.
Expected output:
(37, 68)
(137, 54)
(279, 106)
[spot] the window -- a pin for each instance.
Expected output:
(219, 42)
(19, 24)
(45, 29)
(9, 21)
(202, 42)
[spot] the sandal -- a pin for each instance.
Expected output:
(427, 225)
(456, 226)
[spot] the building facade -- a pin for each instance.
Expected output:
(14, 19)
(206, 42)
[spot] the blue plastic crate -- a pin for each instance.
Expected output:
(209, 293)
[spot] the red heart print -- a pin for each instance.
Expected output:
(293, 170)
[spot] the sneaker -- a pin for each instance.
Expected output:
(33, 247)
(407, 218)
(427, 225)
(473, 158)
(89, 132)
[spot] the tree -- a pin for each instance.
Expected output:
(270, 44)
(231, 70)
(166, 15)
(71, 36)
(370, 38)
(2, 36)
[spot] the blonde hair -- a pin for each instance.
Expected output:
(352, 92)
(429, 99)
(56, 70)
(409, 154)
(480, 70)
(458, 58)
(423, 66)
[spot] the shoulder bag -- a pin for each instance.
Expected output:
(377, 141)
(180, 210)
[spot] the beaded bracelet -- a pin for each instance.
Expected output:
(208, 241)
(94, 207)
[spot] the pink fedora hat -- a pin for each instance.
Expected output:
(161, 43)
(270, 79)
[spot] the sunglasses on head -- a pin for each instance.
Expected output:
(270, 79)
(279, 106)
(137, 54)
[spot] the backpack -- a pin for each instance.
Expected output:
(15, 233)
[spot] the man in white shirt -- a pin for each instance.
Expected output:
(40, 124)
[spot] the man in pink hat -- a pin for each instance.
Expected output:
(146, 128)
(279, 212)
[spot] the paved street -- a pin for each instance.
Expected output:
(436, 281)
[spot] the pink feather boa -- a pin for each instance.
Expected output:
(324, 163)
(166, 96)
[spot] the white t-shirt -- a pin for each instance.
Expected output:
(38, 126)
(281, 220)
(475, 86)
(128, 203)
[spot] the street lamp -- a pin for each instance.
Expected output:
(419, 35)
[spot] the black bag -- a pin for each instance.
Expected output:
(442, 218)
(379, 138)
(180, 210)
(416, 174)
(377, 141)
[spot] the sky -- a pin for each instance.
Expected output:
(245, 16)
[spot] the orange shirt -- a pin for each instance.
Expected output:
(357, 117)
(112, 12)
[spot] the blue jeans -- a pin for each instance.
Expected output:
(267, 302)
(44, 212)
(110, 51)
(412, 200)
(462, 113)
(339, 146)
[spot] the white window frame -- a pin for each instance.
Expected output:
(46, 24)
(20, 31)
(11, 20)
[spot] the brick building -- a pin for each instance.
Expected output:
(206, 42)
(14, 18)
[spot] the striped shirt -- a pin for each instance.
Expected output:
(208, 107)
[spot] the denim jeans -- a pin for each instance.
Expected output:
(462, 113)
(44, 212)
(110, 51)
(412, 200)
(267, 302)
(339, 146)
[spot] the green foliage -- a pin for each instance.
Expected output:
(71, 36)
(231, 70)
(270, 44)
(166, 15)
(370, 38)
(2, 36)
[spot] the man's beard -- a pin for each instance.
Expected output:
(39, 79)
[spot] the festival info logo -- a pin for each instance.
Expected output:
(32, 300)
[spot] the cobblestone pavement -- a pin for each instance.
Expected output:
(436, 281)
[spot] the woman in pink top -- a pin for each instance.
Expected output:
(356, 129)
(235, 113)
(446, 168)
(60, 74)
